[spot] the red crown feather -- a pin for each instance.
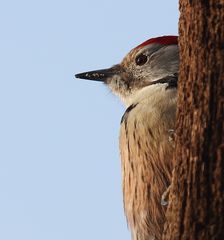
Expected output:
(166, 40)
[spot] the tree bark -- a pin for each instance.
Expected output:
(196, 204)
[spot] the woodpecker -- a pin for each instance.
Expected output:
(146, 81)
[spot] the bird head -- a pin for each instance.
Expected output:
(145, 65)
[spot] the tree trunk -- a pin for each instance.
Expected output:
(196, 204)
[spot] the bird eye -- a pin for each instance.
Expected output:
(141, 59)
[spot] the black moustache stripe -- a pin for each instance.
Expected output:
(171, 80)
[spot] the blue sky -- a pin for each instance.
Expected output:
(60, 174)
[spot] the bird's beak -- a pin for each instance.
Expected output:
(99, 75)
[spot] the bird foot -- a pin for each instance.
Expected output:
(165, 197)
(171, 136)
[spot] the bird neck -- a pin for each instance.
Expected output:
(152, 95)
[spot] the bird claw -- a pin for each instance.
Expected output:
(171, 137)
(165, 197)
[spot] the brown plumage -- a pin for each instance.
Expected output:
(146, 156)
